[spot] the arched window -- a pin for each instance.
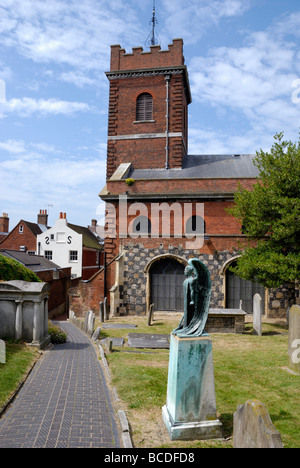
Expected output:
(144, 107)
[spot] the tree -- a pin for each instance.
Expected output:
(270, 216)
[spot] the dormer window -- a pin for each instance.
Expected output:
(144, 107)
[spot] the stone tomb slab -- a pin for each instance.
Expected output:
(147, 340)
(117, 326)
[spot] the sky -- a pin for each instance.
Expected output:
(243, 59)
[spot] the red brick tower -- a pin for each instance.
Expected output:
(148, 102)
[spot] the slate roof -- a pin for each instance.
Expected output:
(35, 263)
(89, 239)
(204, 167)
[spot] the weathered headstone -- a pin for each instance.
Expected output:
(150, 314)
(294, 339)
(253, 428)
(105, 311)
(101, 311)
(86, 322)
(257, 314)
(151, 341)
(96, 334)
(91, 323)
(2, 352)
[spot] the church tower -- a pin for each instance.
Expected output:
(148, 108)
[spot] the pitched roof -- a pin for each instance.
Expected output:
(205, 167)
(89, 239)
(35, 263)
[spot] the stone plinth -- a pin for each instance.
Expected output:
(190, 412)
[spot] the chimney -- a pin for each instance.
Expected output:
(42, 217)
(4, 224)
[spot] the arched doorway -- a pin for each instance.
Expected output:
(240, 291)
(166, 285)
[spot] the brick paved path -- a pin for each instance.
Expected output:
(64, 403)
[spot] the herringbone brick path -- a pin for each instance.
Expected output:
(64, 403)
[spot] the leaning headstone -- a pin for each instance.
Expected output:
(257, 314)
(91, 323)
(253, 428)
(150, 314)
(96, 334)
(294, 339)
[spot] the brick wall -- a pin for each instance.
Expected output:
(16, 239)
(59, 283)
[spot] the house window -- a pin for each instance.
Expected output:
(48, 254)
(144, 107)
(73, 256)
(21, 229)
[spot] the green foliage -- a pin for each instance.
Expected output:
(12, 270)
(129, 181)
(270, 215)
(56, 333)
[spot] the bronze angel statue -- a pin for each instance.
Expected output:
(197, 292)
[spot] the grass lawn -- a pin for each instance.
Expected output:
(246, 367)
(19, 359)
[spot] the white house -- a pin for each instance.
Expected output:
(69, 245)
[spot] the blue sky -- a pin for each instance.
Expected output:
(243, 58)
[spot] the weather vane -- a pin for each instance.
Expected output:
(152, 40)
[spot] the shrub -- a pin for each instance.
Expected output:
(56, 333)
(12, 270)
(129, 181)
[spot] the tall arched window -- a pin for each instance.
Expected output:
(144, 107)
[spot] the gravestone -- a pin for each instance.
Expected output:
(101, 311)
(145, 340)
(86, 322)
(2, 352)
(257, 314)
(90, 323)
(105, 311)
(294, 339)
(118, 326)
(96, 334)
(253, 428)
(150, 314)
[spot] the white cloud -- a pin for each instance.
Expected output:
(28, 106)
(34, 175)
(192, 19)
(254, 80)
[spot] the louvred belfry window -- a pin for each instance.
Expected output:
(144, 107)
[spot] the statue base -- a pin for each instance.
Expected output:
(190, 412)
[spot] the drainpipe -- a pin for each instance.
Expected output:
(167, 78)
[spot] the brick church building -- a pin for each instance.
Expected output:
(164, 206)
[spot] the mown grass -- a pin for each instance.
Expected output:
(246, 367)
(19, 359)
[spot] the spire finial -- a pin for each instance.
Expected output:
(152, 40)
